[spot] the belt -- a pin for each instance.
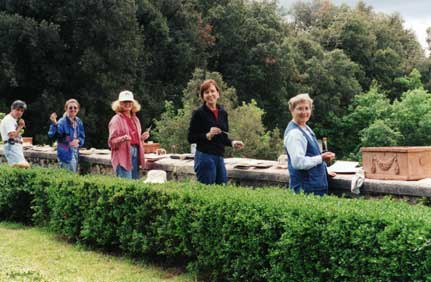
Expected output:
(12, 142)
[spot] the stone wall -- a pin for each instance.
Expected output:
(244, 172)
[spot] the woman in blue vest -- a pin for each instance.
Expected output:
(306, 164)
(70, 135)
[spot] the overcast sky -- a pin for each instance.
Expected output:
(416, 13)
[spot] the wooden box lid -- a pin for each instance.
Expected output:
(399, 149)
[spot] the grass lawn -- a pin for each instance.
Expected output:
(33, 254)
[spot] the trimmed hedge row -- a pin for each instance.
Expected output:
(227, 233)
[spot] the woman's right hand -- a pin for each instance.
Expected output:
(328, 156)
(53, 118)
(213, 132)
(74, 143)
(126, 138)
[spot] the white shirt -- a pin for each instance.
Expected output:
(7, 125)
(296, 144)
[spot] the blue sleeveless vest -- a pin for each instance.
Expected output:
(313, 180)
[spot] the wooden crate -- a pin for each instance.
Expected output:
(27, 141)
(151, 147)
(397, 163)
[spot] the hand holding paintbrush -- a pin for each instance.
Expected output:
(146, 134)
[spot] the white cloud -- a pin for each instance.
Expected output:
(419, 26)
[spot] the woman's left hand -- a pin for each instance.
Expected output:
(74, 143)
(332, 173)
(145, 135)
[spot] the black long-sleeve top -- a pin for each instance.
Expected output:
(201, 122)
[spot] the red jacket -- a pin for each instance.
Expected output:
(120, 150)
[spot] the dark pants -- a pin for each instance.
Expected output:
(315, 191)
(210, 169)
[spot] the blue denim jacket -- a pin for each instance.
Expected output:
(63, 133)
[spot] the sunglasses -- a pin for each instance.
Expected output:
(72, 108)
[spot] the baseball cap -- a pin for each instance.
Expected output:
(125, 96)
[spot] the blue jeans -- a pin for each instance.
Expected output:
(134, 173)
(14, 153)
(73, 164)
(317, 191)
(210, 169)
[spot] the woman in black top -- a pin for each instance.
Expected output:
(209, 129)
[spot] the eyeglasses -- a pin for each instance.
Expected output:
(72, 108)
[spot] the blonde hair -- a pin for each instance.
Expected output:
(116, 107)
(304, 97)
(70, 101)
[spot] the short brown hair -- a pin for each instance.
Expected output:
(304, 97)
(207, 84)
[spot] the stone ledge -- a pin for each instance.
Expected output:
(183, 169)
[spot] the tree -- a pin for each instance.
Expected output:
(331, 79)
(29, 65)
(259, 143)
(411, 116)
(379, 134)
(252, 53)
(378, 43)
(428, 39)
(364, 110)
(411, 81)
(174, 47)
(86, 50)
(318, 14)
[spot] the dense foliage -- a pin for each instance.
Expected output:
(376, 121)
(91, 50)
(226, 233)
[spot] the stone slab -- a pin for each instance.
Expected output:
(178, 169)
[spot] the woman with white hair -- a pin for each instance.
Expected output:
(306, 163)
(70, 135)
(126, 137)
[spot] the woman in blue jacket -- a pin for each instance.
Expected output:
(70, 135)
(306, 164)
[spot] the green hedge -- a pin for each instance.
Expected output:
(227, 233)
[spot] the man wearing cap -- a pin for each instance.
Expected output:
(126, 138)
(10, 128)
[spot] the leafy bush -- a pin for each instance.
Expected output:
(411, 116)
(365, 109)
(380, 134)
(374, 121)
(226, 233)
(259, 143)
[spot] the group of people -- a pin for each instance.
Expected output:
(209, 130)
